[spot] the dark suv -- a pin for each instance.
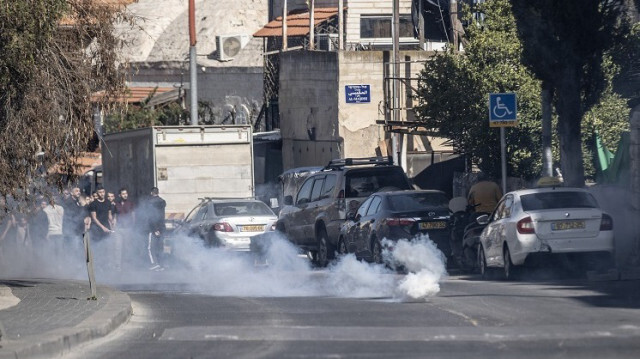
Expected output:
(312, 218)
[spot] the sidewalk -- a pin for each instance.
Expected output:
(45, 318)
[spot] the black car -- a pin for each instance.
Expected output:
(395, 215)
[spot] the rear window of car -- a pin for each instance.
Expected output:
(242, 209)
(557, 200)
(362, 183)
(417, 201)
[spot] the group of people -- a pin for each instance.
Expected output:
(55, 226)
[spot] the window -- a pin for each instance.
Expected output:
(375, 206)
(508, 203)
(305, 192)
(362, 183)
(497, 213)
(202, 212)
(317, 187)
(363, 208)
(557, 199)
(379, 26)
(192, 214)
(242, 209)
(417, 201)
(329, 185)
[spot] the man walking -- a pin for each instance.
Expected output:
(156, 211)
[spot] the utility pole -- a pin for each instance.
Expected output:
(193, 65)
(395, 26)
(421, 39)
(340, 24)
(312, 10)
(284, 26)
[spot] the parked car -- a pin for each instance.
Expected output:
(395, 215)
(312, 219)
(529, 225)
(228, 223)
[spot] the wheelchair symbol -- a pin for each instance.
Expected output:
(500, 110)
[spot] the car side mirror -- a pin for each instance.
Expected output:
(351, 216)
(482, 220)
(288, 200)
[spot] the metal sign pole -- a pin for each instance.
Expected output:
(86, 238)
(503, 155)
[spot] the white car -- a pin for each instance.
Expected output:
(228, 223)
(537, 223)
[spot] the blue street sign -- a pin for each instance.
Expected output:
(503, 110)
(357, 93)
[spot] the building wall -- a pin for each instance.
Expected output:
(309, 108)
(224, 88)
(357, 121)
(317, 124)
(355, 8)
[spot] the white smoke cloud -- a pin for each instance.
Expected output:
(280, 271)
(426, 266)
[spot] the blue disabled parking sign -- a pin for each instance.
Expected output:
(503, 110)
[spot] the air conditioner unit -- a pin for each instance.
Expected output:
(229, 46)
(327, 42)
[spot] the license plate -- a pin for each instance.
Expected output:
(252, 228)
(564, 225)
(433, 225)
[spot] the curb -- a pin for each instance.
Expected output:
(117, 311)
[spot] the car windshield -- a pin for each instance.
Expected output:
(417, 201)
(365, 182)
(556, 200)
(242, 209)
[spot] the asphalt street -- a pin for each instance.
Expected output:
(469, 318)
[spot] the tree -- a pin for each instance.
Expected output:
(453, 94)
(564, 44)
(54, 54)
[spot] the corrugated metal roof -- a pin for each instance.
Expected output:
(139, 94)
(297, 22)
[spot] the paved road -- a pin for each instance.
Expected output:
(467, 319)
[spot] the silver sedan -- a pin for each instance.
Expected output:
(533, 224)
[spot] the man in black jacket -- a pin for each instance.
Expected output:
(156, 226)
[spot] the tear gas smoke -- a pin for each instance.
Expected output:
(217, 271)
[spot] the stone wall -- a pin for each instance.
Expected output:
(309, 108)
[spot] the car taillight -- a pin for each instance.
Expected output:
(222, 227)
(400, 221)
(606, 224)
(525, 226)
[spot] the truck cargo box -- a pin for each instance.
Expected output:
(184, 162)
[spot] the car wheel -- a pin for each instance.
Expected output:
(376, 251)
(510, 270)
(325, 249)
(485, 272)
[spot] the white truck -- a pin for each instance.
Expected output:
(185, 163)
